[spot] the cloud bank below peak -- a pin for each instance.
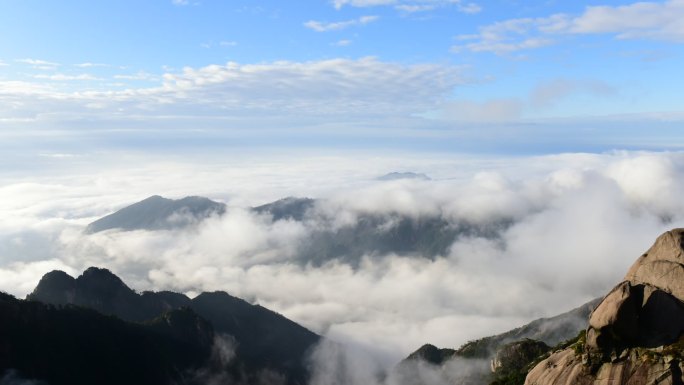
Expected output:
(574, 222)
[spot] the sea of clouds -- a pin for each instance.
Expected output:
(576, 222)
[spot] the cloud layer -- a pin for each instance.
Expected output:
(576, 223)
(225, 94)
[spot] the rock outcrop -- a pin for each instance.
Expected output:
(635, 334)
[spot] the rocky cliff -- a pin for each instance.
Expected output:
(634, 336)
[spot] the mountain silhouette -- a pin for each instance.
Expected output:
(158, 213)
(370, 235)
(263, 341)
(70, 345)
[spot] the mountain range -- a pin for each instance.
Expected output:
(95, 329)
(257, 344)
(371, 234)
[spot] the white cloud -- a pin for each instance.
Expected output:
(550, 92)
(3, 64)
(577, 222)
(343, 43)
(411, 6)
(491, 111)
(336, 87)
(180, 2)
(65, 77)
(642, 20)
(506, 37)
(319, 26)
(225, 43)
(141, 75)
(415, 7)
(39, 64)
(361, 3)
(470, 8)
(90, 65)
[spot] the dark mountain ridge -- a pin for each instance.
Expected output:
(70, 345)
(104, 322)
(264, 340)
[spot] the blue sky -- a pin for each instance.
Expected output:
(433, 75)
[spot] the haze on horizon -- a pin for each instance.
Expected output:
(565, 119)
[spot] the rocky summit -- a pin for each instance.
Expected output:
(635, 335)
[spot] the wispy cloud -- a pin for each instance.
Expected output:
(550, 92)
(342, 43)
(320, 26)
(141, 75)
(510, 35)
(39, 64)
(317, 90)
(224, 43)
(643, 20)
(362, 3)
(90, 65)
(411, 6)
(543, 96)
(3, 64)
(65, 77)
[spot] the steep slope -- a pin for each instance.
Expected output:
(157, 213)
(635, 333)
(73, 345)
(264, 340)
(501, 359)
(550, 331)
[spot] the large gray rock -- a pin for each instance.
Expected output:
(645, 309)
(634, 333)
(662, 265)
(566, 368)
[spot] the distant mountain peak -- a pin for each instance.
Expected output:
(55, 287)
(432, 354)
(102, 279)
(293, 208)
(403, 175)
(158, 213)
